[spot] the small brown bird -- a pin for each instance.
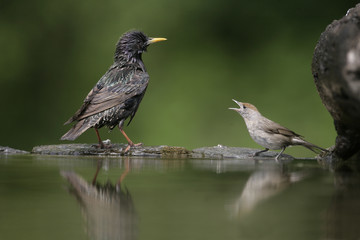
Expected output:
(118, 93)
(269, 134)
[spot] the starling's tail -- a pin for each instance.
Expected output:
(76, 130)
(308, 145)
(77, 182)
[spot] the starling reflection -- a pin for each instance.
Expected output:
(118, 93)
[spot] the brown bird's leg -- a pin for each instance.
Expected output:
(277, 157)
(130, 143)
(101, 144)
(257, 153)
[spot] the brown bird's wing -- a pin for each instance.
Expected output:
(102, 98)
(278, 129)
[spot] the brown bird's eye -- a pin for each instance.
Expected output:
(244, 106)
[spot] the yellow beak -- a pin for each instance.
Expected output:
(154, 40)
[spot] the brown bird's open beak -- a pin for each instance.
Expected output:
(238, 103)
(154, 40)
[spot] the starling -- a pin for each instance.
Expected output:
(118, 93)
(269, 134)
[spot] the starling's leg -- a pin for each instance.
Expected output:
(99, 163)
(277, 157)
(257, 153)
(101, 144)
(130, 143)
(123, 175)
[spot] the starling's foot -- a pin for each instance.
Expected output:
(130, 145)
(104, 144)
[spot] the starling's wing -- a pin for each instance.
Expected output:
(115, 92)
(112, 73)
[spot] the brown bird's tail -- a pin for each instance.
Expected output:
(76, 130)
(308, 145)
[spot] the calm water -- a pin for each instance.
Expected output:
(46, 197)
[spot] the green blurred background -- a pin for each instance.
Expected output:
(53, 53)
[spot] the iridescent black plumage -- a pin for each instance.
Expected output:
(118, 93)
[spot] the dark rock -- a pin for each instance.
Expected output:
(333, 163)
(10, 151)
(336, 71)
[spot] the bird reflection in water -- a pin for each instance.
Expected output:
(108, 209)
(262, 185)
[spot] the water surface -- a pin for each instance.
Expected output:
(52, 197)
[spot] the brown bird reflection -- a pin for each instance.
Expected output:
(262, 185)
(108, 209)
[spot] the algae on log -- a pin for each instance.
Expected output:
(216, 152)
(221, 151)
(114, 150)
(336, 72)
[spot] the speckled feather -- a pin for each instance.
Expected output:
(117, 95)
